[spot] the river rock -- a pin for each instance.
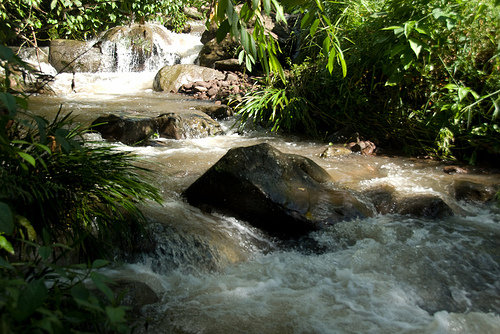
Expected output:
(67, 55)
(211, 52)
(332, 151)
(135, 294)
(386, 200)
(171, 78)
(133, 131)
(472, 191)
(142, 42)
(284, 194)
(231, 64)
(423, 206)
(216, 111)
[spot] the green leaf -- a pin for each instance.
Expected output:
(100, 282)
(416, 46)
(28, 158)
(245, 40)
(27, 225)
(45, 252)
(267, 6)
(9, 101)
(53, 4)
(5, 244)
(5, 264)
(31, 298)
(99, 263)
(223, 30)
(314, 27)
(6, 219)
(6, 53)
(496, 112)
(255, 4)
(115, 314)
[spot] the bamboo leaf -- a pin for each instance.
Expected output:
(314, 27)
(28, 158)
(267, 6)
(223, 30)
(6, 245)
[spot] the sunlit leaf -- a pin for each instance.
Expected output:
(28, 158)
(6, 245)
(416, 46)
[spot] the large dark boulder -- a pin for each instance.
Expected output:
(285, 194)
(133, 131)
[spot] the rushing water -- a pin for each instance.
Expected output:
(216, 274)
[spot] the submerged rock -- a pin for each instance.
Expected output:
(386, 200)
(217, 111)
(472, 191)
(131, 131)
(285, 194)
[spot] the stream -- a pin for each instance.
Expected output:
(217, 274)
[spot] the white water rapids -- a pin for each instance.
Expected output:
(216, 274)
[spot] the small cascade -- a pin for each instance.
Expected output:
(145, 47)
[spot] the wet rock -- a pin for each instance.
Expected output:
(284, 194)
(135, 131)
(216, 111)
(423, 206)
(383, 198)
(67, 55)
(332, 151)
(135, 294)
(364, 147)
(171, 78)
(454, 170)
(211, 52)
(386, 200)
(231, 64)
(472, 191)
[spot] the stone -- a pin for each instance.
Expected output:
(216, 111)
(141, 39)
(231, 64)
(423, 206)
(454, 170)
(365, 147)
(332, 151)
(465, 190)
(67, 55)
(286, 195)
(171, 78)
(212, 51)
(136, 131)
(386, 200)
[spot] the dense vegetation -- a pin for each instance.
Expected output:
(35, 21)
(421, 76)
(61, 201)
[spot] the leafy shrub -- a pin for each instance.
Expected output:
(60, 196)
(422, 76)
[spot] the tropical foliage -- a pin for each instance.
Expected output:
(61, 200)
(31, 21)
(423, 75)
